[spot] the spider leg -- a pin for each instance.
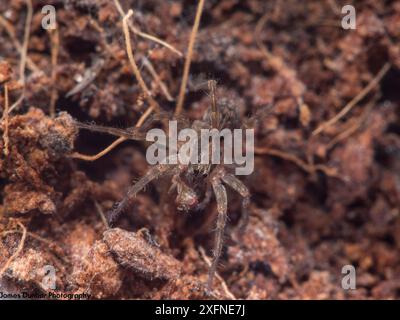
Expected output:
(222, 208)
(212, 85)
(152, 174)
(240, 188)
(130, 133)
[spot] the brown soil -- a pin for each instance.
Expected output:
(319, 201)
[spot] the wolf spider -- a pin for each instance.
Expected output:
(188, 179)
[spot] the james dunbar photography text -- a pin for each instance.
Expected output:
(48, 295)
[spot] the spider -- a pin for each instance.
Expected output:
(190, 180)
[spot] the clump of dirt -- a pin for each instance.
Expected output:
(325, 191)
(37, 148)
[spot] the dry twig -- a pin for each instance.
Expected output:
(309, 168)
(11, 33)
(55, 46)
(158, 81)
(188, 60)
(354, 125)
(146, 35)
(132, 61)
(17, 252)
(101, 214)
(153, 104)
(6, 117)
(373, 83)
(24, 53)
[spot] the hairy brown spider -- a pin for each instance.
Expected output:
(191, 180)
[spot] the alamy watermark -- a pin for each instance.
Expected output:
(49, 21)
(349, 20)
(49, 277)
(201, 147)
(349, 277)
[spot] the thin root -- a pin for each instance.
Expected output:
(311, 169)
(146, 35)
(17, 252)
(188, 61)
(51, 243)
(101, 214)
(11, 33)
(373, 83)
(55, 46)
(134, 66)
(24, 53)
(354, 126)
(153, 104)
(159, 82)
(6, 118)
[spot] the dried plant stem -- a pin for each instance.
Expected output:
(309, 168)
(146, 62)
(11, 33)
(52, 245)
(144, 116)
(17, 252)
(132, 61)
(55, 46)
(85, 157)
(188, 60)
(212, 86)
(153, 104)
(6, 123)
(354, 126)
(373, 83)
(24, 53)
(286, 156)
(146, 35)
(159, 82)
(25, 43)
(101, 214)
(344, 135)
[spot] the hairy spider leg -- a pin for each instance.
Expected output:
(212, 86)
(132, 133)
(219, 176)
(152, 174)
(240, 188)
(222, 208)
